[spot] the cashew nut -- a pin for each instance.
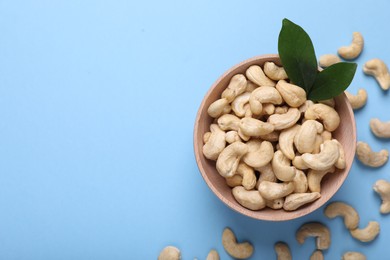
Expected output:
(317, 255)
(348, 213)
(275, 204)
(282, 251)
(281, 166)
(230, 157)
(237, 250)
(382, 187)
(379, 128)
(271, 137)
(272, 190)
(359, 100)
(300, 182)
(317, 230)
(305, 138)
(232, 136)
(326, 135)
(237, 86)
(314, 178)
(254, 127)
(317, 144)
(266, 174)
(218, 107)
(170, 253)
(256, 74)
(354, 49)
(268, 109)
(283, 121)
(296, 200)
(262, 95)
(250, 199)
(248, 175)
(274, 72)
(250, 86)
(305, 106)
(369, 157)
(340, 163)
(229, 122)
(353, 256)
(281, 109)
(286, 140)
(378, 69)
(329, 117)
(213, 255)
(239, 102)
(328, 60)
(299, 163)
(215, 143)
(235, 180)
(259, 153)
(325, 159)
(206, 137)
(367, 234)
(293, 95)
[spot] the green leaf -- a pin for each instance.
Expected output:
(332, 81)
(297, 55)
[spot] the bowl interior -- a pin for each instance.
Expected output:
(345, 133)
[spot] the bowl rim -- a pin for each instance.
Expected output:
(242, 210)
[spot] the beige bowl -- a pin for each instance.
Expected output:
(345, 133)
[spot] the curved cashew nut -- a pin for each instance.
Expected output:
(300, 182)
(379, 128)
(271, 137)
(296, 200)
(268, 109)
(325, 159)
(283, 121)
(237, 250)
(329, 117)
(213, 255)
(259, 153)
(317, 144)
(378, 69)
(272, 190)
(218, 107)
(215, 143)
(237, 86)
(274, 72)
(256, 74)
(248, 176)
(286, 141)
(314, 178)
(328, 60)
(230, 157)
(305, 138)
(275, 204)
(250, 199)
(317, 230)
(369, 157)
(354, 49)
(170, 253)
(359, 100)
(305, 106)
(367, 234)
(254, 127)
(281, 166)
(299, 163)
(382, 187)
(348, 213)
(229, 122)
(282, 251)
(340, 163)
(235, 180)
(262, 95)
(232, 136)
(266, 174)
(293, 95)
(317, 255)
(353, 256)
(238, 104)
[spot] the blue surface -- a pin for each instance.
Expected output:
(97, 106)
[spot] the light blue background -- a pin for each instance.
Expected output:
(97, 106)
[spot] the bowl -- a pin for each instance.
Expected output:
(345, 134)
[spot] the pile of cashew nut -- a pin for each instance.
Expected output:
(272, 145)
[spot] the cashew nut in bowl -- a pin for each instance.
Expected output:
(248, 176)
(213, 255)
(281, 109)
(256, 74)
(266, 174)
(237, 250)
(170, 253)
(250, 86)
(286, 141)
(369, 157)
(382, 187)
(237, 86)
(283, 121)
(293, 95)
(261, 95)
(275, 204)
(317, 255)
(238, 104)
(305, 106)
(326, 135)
(272, 190)
(229, 122)
(215, 143)
(329, 117)
(367, 234)
(340, 163)
(230, 157)
(300, 182)
(317, 230)
(250, 199)
(232, 136)
(359, 100)
(235, 180)
(282, 251)
(379, 128)
(353, 256)
(218, 107)
(299, 163)
(354, 49)
(327, 60)
(296, 200)
(271, 137)
(314, 178)
(305, 138)
(274, 72)
(259, 153)
(324, 160)
(281, 166)
(206, 137)
(378, 69)
(348, 213)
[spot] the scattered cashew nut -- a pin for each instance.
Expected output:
(213, 255)
(327, 60)
(359, 100)
(296, 200)
(382, 187)
(378, 69)
(282, 251)
(353, 256)
(317, 230)
(237, 250)
(317, 255)
(367, 234)
(354, 49)
(379, 128)
(342, 209)
(170, 253)
(369, 157)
